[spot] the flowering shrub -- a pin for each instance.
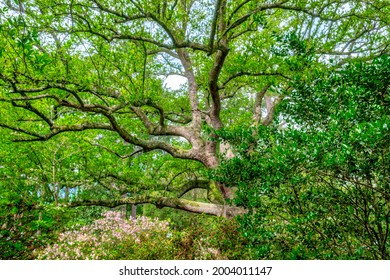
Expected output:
(113, 237)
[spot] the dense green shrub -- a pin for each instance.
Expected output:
(319, 188)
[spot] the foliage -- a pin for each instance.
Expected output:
(26, 227)
(31, 180)
(84, 93)
(20, 225)
(319, 188)
(211, 238)
(102, 66)
(113, 237)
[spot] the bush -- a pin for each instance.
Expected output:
(116, 238)
(211, 238)
(113, 237)
(319, 189)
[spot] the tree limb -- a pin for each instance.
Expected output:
(160, 202)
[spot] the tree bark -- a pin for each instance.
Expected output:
(160, 202)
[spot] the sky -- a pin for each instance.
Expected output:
(174, 82)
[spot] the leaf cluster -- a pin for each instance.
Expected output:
(319, 188)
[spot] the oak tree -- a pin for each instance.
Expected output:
(99, 67)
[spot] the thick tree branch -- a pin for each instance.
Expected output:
(180, 118)
(55, 130)
(161, 129)
(192, 89)
(271, 106)
(191, 185)
(108, 112)
(214, 25)
(219, 60)
(160, 202)
(257, 107)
